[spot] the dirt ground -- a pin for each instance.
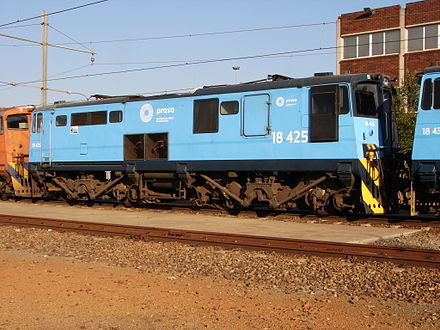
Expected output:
(42, 292)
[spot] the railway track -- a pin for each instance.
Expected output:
(403, 256)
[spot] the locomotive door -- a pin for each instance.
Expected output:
(324, 114)
(44, 133)
(256, 115)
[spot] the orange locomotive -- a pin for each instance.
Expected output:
(14, 151)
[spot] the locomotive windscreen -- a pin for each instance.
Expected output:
(367, 100)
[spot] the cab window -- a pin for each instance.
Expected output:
(344, 107)
(17, 122)
(367, 101)
(39, 123)
(437, 94)
(427, 95)
(1, 125)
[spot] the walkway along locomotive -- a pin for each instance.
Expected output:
(318, 143)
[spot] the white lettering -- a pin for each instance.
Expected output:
(164, 110)
(292, 137)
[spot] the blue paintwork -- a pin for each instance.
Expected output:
(427, 130)
(252, 134)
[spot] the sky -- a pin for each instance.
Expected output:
(167, 46)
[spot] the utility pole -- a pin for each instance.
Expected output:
(44, 59)
(44, 45)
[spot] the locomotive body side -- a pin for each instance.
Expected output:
(315, 142)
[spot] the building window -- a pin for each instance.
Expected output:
(350, 47)
(372, 44)
(377, 43)
(423, 37)
(205, 116)
(363, 45)
(392, 42)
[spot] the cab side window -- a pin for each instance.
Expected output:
(39, 123)
(427, 95)
(437, 93)
(1, 125)
(344, 106)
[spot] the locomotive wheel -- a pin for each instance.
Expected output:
(127, 204)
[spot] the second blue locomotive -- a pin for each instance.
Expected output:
(426, 152)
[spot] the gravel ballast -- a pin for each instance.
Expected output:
(290, 273)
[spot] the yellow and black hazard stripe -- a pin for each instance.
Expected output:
(20, 179)
(371, 181)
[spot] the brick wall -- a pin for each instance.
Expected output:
(422, 12)
(382, 18)
(388, 65)
(416, 62)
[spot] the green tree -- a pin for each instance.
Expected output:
(405, 110)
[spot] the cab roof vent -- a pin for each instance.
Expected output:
(323, 74)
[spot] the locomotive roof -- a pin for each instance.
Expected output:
(432, 69)
(243, 87)
(17, 110)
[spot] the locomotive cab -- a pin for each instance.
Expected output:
(426, 153)
(14, 151)
(376, 134)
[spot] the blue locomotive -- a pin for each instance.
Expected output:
(426, 151)
(322, 143)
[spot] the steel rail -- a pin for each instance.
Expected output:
(403, 256)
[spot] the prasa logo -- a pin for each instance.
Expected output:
(280, 101)
(164, 110)
(146, 112)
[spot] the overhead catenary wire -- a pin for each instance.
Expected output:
(20, 26)
(185, 64)
(9, 85)
(195, 60)
(54, 13)
(75, 41)
(191, 35)
(212, 33)
(247, 57)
